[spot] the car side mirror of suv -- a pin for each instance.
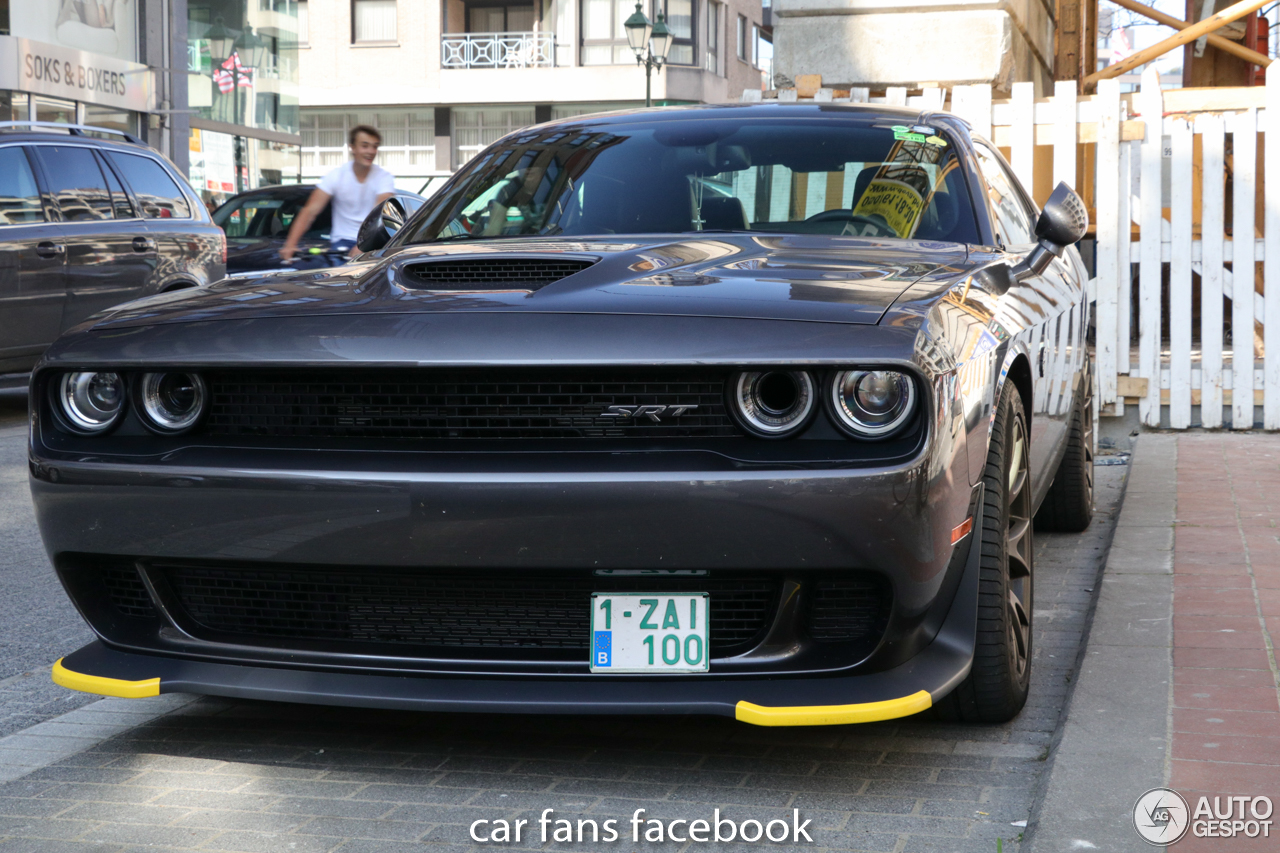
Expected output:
(1062, 223)
(380, 225)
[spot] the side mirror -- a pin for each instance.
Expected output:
(380, 225)
(1062, 223)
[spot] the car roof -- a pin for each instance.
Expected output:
(10, 135)
(772, 110)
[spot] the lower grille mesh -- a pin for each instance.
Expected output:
(127, 591)
(848, 609)
(525, 610)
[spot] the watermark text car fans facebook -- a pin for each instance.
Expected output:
(1163, 816)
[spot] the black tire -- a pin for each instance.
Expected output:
(997, 685)
(1068, 507)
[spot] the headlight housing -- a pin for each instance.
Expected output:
(871, 403)
(773, 403)
(90, 401)
(172, 402)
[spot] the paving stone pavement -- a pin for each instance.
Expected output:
(225, 775)
(37, 622)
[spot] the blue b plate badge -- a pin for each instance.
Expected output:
(649, 632)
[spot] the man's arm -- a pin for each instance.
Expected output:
(313, 208)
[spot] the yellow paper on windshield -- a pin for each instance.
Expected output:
(897, 203)
(902, 187)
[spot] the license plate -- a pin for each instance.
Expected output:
(649, 632)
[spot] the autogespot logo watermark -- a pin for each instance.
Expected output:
(1162, 816)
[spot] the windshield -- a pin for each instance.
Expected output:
(266, 216)
(823, 176)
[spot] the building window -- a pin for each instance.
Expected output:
(304, 24)
(475, 130)
(408, 139)
(604, 38)
(373, 21)
(680, 21)
(744, 48)
(755, 45)
(500, 19)
(713, 37)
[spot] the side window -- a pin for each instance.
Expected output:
(76, 182)
(1013, 223)
(119, 198)
(156, 192)
(19, 196)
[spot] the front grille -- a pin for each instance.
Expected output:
(682, 403)
(127, 592)
(490, 273)
(499, 610)
(848, 609)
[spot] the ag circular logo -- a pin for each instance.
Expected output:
(1161, 816)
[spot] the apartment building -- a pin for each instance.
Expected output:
(441, 79)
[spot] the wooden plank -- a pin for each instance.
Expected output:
(1244, 128)
(1132, 130)
(1108, 219)
(1151, 104)
(896, 96)
(1180, 277)
(1218, 98)
(1228, 250)
(1211, 128)
(1064, 143)
(1271, 270)
(1124, 292)
(1022, 138)
(1210, 24)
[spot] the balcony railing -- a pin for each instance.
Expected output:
(498, 50)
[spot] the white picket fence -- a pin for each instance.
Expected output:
(1191, 372)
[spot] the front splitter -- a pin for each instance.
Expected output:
(907, 689)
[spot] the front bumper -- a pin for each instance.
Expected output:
(906, 689)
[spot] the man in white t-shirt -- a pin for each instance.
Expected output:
(354, 189)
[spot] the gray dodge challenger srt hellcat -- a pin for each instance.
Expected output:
(742, 410)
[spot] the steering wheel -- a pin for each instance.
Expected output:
(854, 224)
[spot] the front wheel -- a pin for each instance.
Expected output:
(997, 685)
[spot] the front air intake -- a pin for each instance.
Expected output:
(490, 273)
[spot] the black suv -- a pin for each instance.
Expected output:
(87, 223)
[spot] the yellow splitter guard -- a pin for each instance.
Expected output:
(649, 632)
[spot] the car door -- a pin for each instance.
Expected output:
(165, 211)
(1050, 309)
(110, 257)
(32, 264)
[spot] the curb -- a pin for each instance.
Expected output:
(1115, 740)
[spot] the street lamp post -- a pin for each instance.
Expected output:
(650, 43)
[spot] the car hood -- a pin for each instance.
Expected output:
(771, 277)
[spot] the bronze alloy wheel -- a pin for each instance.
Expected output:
(1017, 549)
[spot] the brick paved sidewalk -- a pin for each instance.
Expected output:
(1225, 706)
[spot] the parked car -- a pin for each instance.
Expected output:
(257, 223)
(582, 436)
(87, 223)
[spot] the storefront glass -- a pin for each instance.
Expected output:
(213, 164)
(55, 110)
(242, 62)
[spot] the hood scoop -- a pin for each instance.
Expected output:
(490, 274)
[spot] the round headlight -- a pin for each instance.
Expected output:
(91, 402)
(172, 402)
(872, 403)
(773, 403)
